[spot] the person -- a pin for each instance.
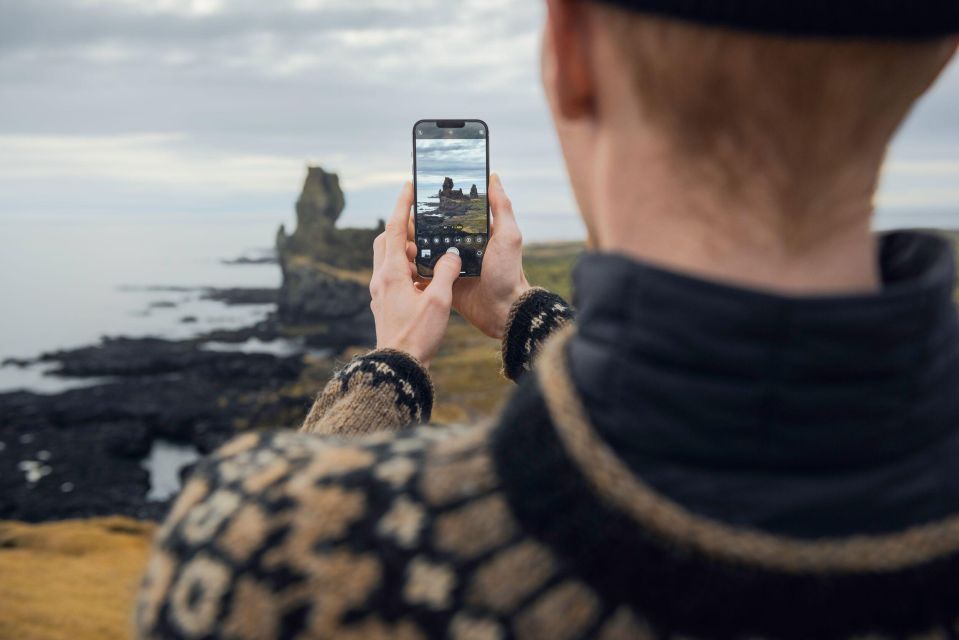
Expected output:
(751, 429)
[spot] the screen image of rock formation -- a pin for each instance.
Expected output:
(326, 269)
(454, 211)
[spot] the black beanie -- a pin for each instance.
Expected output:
(881, 19)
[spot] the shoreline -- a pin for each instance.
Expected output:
(94, 428)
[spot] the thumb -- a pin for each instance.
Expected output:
(499, 201)
(446, 270)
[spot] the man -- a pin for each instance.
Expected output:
(752, 430)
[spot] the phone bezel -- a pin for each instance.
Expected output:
(436, 121)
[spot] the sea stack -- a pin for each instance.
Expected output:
(448, 193)
(325, 268)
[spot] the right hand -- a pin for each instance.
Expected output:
(486, 301)
(409, 318)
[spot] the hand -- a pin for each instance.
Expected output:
(409, 318)
(486, 301)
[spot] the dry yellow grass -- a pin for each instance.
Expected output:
(74, 580)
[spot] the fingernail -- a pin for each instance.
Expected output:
(453, 250)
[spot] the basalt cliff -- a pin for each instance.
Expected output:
(326, 269)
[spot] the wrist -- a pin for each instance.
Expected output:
(498, 329)
(421, 358)
(406, 349)
(405, 345)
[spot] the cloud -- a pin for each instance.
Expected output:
(218, 104)
(279, 37)
(451, 157)
(210, 102)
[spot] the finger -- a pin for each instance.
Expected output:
(413, 271)
(446, 271)
(505, 220)
(411, 251)
(396, 228)
(379, 251)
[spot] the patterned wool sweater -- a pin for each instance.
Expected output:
(530, 526)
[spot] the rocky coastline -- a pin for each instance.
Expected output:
(86, 451)
(81, 452)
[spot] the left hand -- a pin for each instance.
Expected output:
(409, 318)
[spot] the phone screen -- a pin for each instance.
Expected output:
(450, 175)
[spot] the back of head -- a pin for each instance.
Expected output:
(803, 103)
(764, 122)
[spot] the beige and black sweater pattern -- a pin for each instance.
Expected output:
(363, 526)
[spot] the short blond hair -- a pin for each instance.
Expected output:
(710, 87)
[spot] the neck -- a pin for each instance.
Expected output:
(795, 236)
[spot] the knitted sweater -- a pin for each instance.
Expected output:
(530, 526)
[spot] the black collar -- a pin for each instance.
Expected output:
(689, 370)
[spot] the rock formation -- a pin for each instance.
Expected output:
(325, 269)
(473, 193)
(449, 193)
(317, 210)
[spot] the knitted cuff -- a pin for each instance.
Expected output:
(533, 317)
(381, 390)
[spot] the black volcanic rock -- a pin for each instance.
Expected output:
(78, 453)
(269, 258)
(50, 472)
(474, 193)
(242, 296)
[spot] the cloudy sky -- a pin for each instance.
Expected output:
(155, 107)
(437, 156)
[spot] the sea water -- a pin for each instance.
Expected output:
(66, 281)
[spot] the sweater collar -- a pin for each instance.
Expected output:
(663, 367)
(716, 367)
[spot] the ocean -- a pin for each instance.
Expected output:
(65, 281)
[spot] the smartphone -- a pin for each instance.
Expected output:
(450, 180)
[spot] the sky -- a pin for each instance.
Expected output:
(214, 107)
(437, 156)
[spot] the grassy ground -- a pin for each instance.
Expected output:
(471, 220)
(474, 220)
(71, 580)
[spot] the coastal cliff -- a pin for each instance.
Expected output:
(326, 269)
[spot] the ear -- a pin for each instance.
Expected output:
(567, 72)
